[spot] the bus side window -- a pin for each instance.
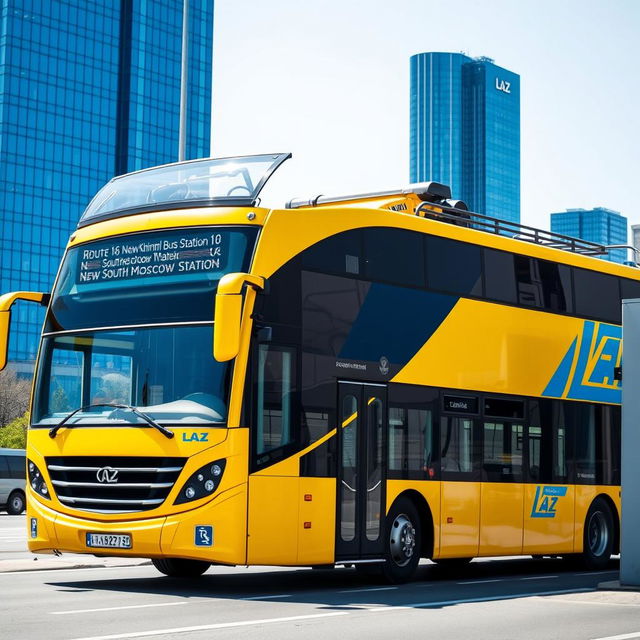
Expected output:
(276, 379)
(456, 445)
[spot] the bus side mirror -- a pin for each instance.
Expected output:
(228, 314)
(5, 317)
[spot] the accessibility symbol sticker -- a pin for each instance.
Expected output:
(204, 535)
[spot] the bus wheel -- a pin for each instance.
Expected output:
(598, 535)
(16, 503)
(403, 540)
(180, 567)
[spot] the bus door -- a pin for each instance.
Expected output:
(361, 417)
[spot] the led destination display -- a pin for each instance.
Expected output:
(153, 255)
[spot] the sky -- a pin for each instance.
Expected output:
(329, 81)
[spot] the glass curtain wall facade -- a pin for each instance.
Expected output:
(465, 130)
(600, 225)
(88, 90)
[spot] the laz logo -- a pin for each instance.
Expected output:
(503, 85)
(546, 501)
(194, 436)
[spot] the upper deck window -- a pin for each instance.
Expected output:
(210, 182)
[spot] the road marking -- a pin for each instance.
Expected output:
(284, 595)
(133, 606)
(538, 577)
(482, 581)
(413, 605)
(210, 627)
(368, 589)
(624, 636)
(594, 573)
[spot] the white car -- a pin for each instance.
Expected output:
(13, 474)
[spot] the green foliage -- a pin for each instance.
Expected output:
(59, 401)
(14, 435)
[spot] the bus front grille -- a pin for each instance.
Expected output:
(109, 484)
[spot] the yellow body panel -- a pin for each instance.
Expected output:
(505, 349)
(501, 518)
(316, 543)
(459, 519)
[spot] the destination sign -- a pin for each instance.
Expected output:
(460, 404)
(153, 255)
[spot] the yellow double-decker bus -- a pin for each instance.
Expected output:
(364, 380)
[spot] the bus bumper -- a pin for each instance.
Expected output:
(223, 521)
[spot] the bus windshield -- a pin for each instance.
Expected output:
(167, 372)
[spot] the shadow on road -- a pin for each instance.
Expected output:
(345, 589)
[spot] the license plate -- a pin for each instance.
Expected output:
(109, 540)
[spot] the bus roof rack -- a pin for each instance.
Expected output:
(514, 230)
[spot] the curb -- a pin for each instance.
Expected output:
(614, 585)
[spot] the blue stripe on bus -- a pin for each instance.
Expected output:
(395, 322)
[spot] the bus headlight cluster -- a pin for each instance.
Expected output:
(36, 480)
(202, 483)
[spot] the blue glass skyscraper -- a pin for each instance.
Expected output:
(465, 130)
(599, 225)
(88, 90)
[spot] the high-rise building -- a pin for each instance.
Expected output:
(465, 130)
(599, 225)
(89, 90)
(635, 240)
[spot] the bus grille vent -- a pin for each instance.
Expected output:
(110, 484)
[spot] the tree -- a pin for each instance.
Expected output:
(14, 435)
(14, 396)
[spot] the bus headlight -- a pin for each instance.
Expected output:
(202, 483)
(36, 481)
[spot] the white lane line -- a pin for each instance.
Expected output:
(538, 578)
(624, 636)
(133, 606)
(368, 589)
(210, 627)
(248, 623)
(482, 581)
(283, 595)
(594, 573)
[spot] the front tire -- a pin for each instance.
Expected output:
(598, 535)
(16, 503)
(180, 567)
(403, 541)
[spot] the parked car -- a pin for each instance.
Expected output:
(13, 479)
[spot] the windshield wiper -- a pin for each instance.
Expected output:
(164, 431)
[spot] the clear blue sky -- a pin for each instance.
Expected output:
(329, 81)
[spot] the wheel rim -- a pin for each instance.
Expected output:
(402, 540)
(597, 533)
(16, 503)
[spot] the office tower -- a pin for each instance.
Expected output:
(599, 225)
(635, 235)
(465, 130)
(89, 90)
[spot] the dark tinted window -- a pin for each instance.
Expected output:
(17, 467)
(340, 254)
(454, 266)
(4, 467)
(502, 408)
(500, 281)
(630, 289)
(502, 451)
(457, 459)
(597, 295)
(394, 255)
(543, 284)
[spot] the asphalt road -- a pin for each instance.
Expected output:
(508, 598)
